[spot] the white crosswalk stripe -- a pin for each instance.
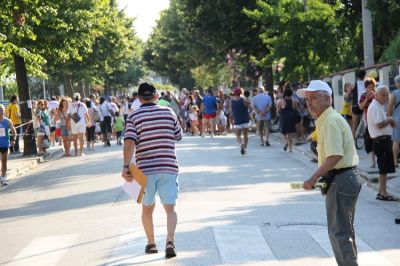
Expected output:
(226, 245)
(242, 244)
(44, 251)
(366, 255)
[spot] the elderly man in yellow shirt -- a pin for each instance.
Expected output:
(14, 115)
(337, 160)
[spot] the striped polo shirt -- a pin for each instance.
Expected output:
(154, 129)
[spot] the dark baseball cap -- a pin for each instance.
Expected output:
(146, 89)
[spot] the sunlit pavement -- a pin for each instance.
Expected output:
(233, 209)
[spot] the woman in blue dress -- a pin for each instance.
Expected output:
(287, 118)
(5, 126)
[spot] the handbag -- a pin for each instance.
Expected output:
(75, 116)
(96, 116)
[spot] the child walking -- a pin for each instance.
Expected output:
(118, 127)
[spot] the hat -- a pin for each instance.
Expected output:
(315, 85)
(237, 91)
(146, 89)
(77, 95)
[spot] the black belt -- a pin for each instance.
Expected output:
(341, 170)
(384, 137)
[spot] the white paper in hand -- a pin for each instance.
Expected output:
(132, 189)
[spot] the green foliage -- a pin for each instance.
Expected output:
(386, 23)
(168, 49)
(164, 87)
(306, 38)
(80, 40)
(392, 52)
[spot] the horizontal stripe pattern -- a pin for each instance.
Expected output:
(154, 129)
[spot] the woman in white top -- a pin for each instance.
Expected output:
(105, 123)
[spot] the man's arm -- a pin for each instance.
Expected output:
(12, 128)
(391, 104)
(329, 163)
(129, 148)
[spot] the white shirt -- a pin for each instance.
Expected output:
(375, 115)
(82, 110)
(360, 89)
(135, 105)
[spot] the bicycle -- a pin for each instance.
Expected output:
(359, 137)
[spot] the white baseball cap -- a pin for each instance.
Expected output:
(77, 95)
(315, 85)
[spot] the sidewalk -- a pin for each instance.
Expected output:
(19, 164)
(369, 174)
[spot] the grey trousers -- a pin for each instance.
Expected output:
(340, 203)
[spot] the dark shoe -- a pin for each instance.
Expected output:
(242, 150)
(261, 144)
(170, 251)
(151, 249)
(267, 144)
(385, 197)
(108, 143)
(285, 147)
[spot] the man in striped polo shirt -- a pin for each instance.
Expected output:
(151, 132)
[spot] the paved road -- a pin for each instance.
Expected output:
(233, 209)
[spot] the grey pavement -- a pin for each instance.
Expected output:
(233, 210)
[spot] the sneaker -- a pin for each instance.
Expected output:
(267, 144)
(108, 143)
(3, 181)
(285, 147)
(242, 149)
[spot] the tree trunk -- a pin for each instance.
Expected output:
(26, 112)
(269, 83)
(68, 86)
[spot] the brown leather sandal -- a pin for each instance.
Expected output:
(170, 251)
(151, 249)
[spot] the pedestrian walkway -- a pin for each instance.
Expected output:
(232, 210)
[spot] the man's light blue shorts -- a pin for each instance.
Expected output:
(165, 184)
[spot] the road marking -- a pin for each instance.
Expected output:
(242, 244)
(44, 251)
(129, 249)
(367, 256)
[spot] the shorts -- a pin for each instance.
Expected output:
(43, 130)
(264, 123)
(382, 147)
(165, 184)
(241, 126)
(105, 125)
(209, 116)
(222, 120)
(3, 149)
(90, 136)
(64, 131)
(78, 128)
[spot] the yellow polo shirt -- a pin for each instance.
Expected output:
(12, 112)
(335, 138)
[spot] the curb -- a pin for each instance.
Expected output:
(31, 163)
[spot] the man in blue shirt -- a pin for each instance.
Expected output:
(262, 104)
(209, 112)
